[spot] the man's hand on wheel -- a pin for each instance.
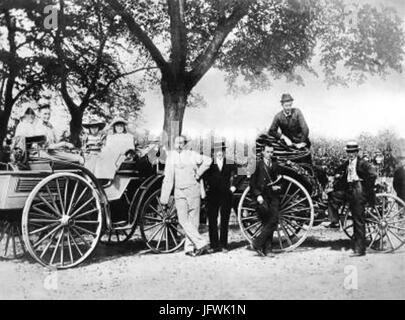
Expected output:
(287, 140)
(301, 145)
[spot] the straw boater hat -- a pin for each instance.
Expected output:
(118, 120)
(94, 120)
(351, 147)
(286, 97)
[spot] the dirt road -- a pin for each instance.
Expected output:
(320, 269)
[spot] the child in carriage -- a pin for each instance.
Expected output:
(93, 140)
(119, 146)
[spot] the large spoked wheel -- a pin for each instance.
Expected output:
(385, 224)
(62, 220)
(160, 228)
(11, 241)
(296, 216)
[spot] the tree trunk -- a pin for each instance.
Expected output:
(174, 101)
(3, 128)
(76, 127)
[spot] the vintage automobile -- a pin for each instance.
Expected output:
(58, 211)
(304, 203)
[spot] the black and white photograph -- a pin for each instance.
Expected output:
(218, 151)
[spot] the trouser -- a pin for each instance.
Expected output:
(354, 195)
(222, 204)
(188, 201)
(268, 213)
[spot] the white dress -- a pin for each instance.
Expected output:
(113, 154)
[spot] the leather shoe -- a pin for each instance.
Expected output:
(260, 252)
(201, 251)
(358, 253)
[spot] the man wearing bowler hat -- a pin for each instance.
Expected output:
(219, 180)
(357, 188)
(292, 124)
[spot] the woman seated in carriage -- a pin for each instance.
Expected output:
(93, 140)
(119, 146)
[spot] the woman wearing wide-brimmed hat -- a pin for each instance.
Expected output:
(95, 137)
(117, 147)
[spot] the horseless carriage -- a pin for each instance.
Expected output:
(304, 202)
(58, 212)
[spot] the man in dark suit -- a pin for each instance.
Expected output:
(219, 180)
(399, 176)
(266, 191)
(357, 188)
(291, 122)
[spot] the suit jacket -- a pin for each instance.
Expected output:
(366, 173)
(218, 181)
(262, 176)
(294, 127)
(399, 182)
(182, 171)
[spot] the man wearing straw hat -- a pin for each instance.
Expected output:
(358, 180)
(183, 171)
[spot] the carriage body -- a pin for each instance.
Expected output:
(58, 211)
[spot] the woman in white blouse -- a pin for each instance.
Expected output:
(117, 146)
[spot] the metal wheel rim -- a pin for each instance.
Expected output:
(282, 228)
(165, 230)
(60, 231)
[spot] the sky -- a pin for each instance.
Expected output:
(336, 112)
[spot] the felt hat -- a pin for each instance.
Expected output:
(286, 97)
(219, 145)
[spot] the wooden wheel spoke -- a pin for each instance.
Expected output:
(54, 210)
(72, 197)
(48, 245)
(81, 207)
(167, 238)
(155, 233)
(253, 217)
(43, 228)
(75, 243)
(54, 230)
(70, 247)
(286, 192)
(4, 230)
(44, 213)
(172, 235)
(44, 220)
(173, 226)
(65, 199)
(84, 214)
(258, 223)
(290, 198)
(279, 238)
(286, 234)
(86, 222)
(85, 230)
(78, 199)
(373, 238)
(152, 226)
(52, 199)
(390, 241)
(293, 205)
(395, 235)
(60, 196)
(295, 218)
(81, 237)
(160, 237)
(396, 213)
(397, 228)
(157, 212)
(259, 228)
(56, 247)
(153, 219)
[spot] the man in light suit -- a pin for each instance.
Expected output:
(183, 171)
